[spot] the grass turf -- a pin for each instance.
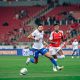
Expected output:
(11, 65)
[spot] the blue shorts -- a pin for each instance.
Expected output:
(37, 51)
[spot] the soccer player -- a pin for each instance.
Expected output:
(56, 37)
(37, 36)
(75, 48)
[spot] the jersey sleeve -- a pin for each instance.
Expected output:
(33, 33)
(51, 36)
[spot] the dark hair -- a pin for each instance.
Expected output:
(40, 25)
(56, 24)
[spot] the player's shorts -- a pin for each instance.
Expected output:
(42, 51)
(54, 50)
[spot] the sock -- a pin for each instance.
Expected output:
(28, 59)
(31, 60)
(53, 61)
(61, 56)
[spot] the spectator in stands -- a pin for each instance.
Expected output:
(14, 46)
(56, 2)
(20, 30)
(24, 30)
(50, 3)
(38, 21)
(17, 16)
(43, 18)
(22, 14)
(70, 16)
(73, 32)
(74, 27)
(66, 4)
(48, 21)
(52, 20)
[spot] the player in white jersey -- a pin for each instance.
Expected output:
(75, 48)
(38, 47)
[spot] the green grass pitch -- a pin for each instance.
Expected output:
(11, 65)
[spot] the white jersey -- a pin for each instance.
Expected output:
(38, 35)
(75, 45)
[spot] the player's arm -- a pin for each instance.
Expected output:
(31, 37)
(45, 43)
(52, 41)
(51, 38)
(63, 39)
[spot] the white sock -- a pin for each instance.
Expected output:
(62, 56)
(55, 59)
(28, 59)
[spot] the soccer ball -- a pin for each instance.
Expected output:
(23, 71)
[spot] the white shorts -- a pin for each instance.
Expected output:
(54, 50)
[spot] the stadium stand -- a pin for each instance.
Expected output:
(59, 13)
(10, 17)
(16, 17)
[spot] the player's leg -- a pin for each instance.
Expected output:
(48, 55)
(60, 54)
(55, 57)
(35, 59)
(73, 53)
(53, 61)
(28, 56)
(28, 60)
(53, 53)
(36, 55)
(77, 53)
